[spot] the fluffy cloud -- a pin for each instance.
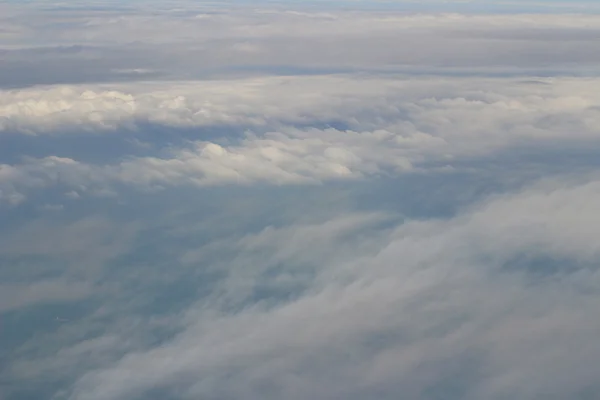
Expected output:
(437, 106)
(384, 126)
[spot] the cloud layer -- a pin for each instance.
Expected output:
(294, 202)
(297, 130)
(58, 45)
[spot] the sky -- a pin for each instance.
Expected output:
(299, 200)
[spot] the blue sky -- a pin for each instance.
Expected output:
(299, 201)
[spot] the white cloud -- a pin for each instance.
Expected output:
(365, 103)
(306, 157)
(391, 126)
(253, 102)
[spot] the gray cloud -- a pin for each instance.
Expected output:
(17, 296)
(353, 305)
(79, 46)
(399, 316)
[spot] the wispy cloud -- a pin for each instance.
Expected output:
(417, 302)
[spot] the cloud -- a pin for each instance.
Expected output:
(266, 203)
(429, 309)
(197, 42)
(436, 106)
(54, 259)
(297, 130)
(17, 296)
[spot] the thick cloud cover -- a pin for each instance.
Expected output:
(198, 40)
(287, 202)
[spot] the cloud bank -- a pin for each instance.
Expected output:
(297, 130)
(201, 41)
